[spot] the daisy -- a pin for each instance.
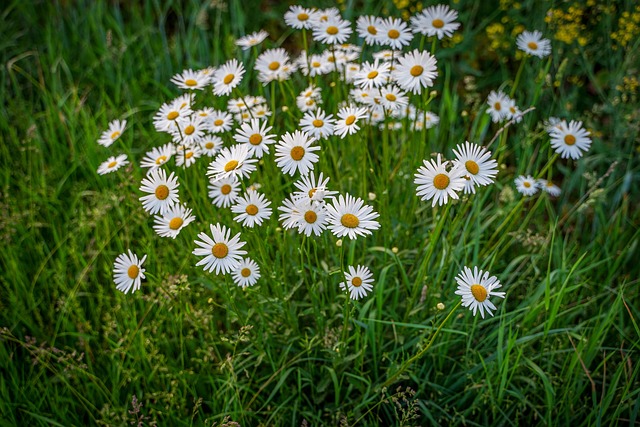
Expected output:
(368, 28)
(173, 221)
(570, 141)
(224, 192)
(317, 124)
(513, 112)
(253, 208)
(387, 55)
(175, 112)
(361, 96)
(310, 217)
(435, 182)
(299, 17)
(476, 161)
(227, 77)
(311, 189)
(255, 135)
(358, 281)
(348, 120)
(221, 253)
(534, 44)
(112, 164)
(128, 272)
(246, 273)
(190, 79)
(187, 156)
(295, 153)
(498, 104)
(395, 32)
(162, 191)
(270, 64)
(210, 144)
(190, 131)
(549, 187)
(475, 287)
(436, 21)
(252, 39)
(349, 216)
(415, 70)
(261, 111)
(234, 161)
(393, 98)
(112, 133)
(334, 30)
(372, 75)
(315, 65)
(290, 213)
(157, 157)
(220, 121)
(350, 72)
(526, 185)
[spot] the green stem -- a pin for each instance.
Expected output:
(518, 74)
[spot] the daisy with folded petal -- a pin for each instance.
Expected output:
(369, 28)
(187, 156)
(270, 63)
(317, 124)
(190, 131)
(533, 44)
(358, 280)
(549, 187)
(162, 192)
(157, 157)
(233, 161)
(498, 106)
(334, 30)
(173, 221)
(393, 98)
(253, 39)
(114, 131)
(246, 273)
(224, 192)
(227, 77)
(128, 272)
(174, 112)
(395, 32)
(479, 167)
(436, 21)
(570, 140)
(190, 79)
(526, 185)
(299, 17)
(475, 287)
(255, 135)
(372, 75)
(349, 216)
(347, 122)
(222, 253)
(415, 70)
(253, 208)
(210, 144)
(112, 164)
(310, 217)
(310, 188)
(435, 182)
(294, 153)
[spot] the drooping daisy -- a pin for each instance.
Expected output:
(221, 252)
(190, 79)
(270, 64)
(294, 153)
(349, 216)
(498, 102)
(393, 98)
(310, 217)
(224, 192)
(372, 75)
(436, 21)
(347, 122)
(253, 208)
(395, 32)
(246, 273)
(534, 44)
(299, 17)
(128, 272)
(415, 70)
(173, 221)
(359, 281)
(310, 188)
(435, 182)
(368, 28)
(112, 133)
(475, 287)
(187, 156)
(526, 185)
(317, 124)
(112, 164)
(479, 167)
(549, 187)
(255, 135)
(210, 144)
(232, 161)
(157, 157)
(174, 112)
(253, 39)
(332, 31)
(162, 192)
(570, 141)
(227, 77)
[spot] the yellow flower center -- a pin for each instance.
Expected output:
(315, 64)
(133, 271)
(372, 30)
(231, 165)
(225, 189)
(115, 135)
(569, 139)
(176, 223)
(372, 75)
(189, 155)
(303, 17)
(245, 272)
(220, 250)
(162, 192)
(189, 129)
(251, 209)
(332, 30)
(527, 184)
(228, 79)
(274, 65)
(297, 153)
(393, 34)
(310, 102)
(441, 181)
(497, 106)
(312, 192)
(349, 120)
(479, 292)
(191, 82)
(112, 164)
(416, 70)
(349, 220)
(209, 145)
(437, 23)
(160, 160)
(532, 45)
(390, 97)
(318, 123)
(310, 217)
(549, 184)
(173, 115)
(472, 167)
(356, 281)
(255, 139)
(218, 122)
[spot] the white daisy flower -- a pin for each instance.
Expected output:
(162, 192)
(314, 65)
(190, 79)
(224, 192)
(359, 281)
(498, 106)
(534, 44)
(393, 98)
(475, 287)
(395, 32)
(324, 15)
(387, 55)
(299, 17)
(290, 213)
(253, 39)
(334, 30)
(347, 122)
(270, 65)
(220, 121)
(476, 161)
(294, 153)
(310, 217)
(253, 208)
(435, 182)
(570, 141)
(317, 124)
(128, 272)
(227, 77)
(157, 157)
(187, 156)
(261, 111)
(233, 161)
(513, 112)
(372, 75)
(549, 187)
(190, 131)
(174, 112)
(361, 96)
(255, 135)
(526, 185)
(173, 221)
(368, 28)
(221, 252)
(415, 70)
(112, 164)
(311, 189)
(112, 133)
(210, 144)
(349, 216)
(246, 274)
(436, 21)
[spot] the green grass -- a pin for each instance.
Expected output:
(194, 349)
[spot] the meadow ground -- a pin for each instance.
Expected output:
(192, 348)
